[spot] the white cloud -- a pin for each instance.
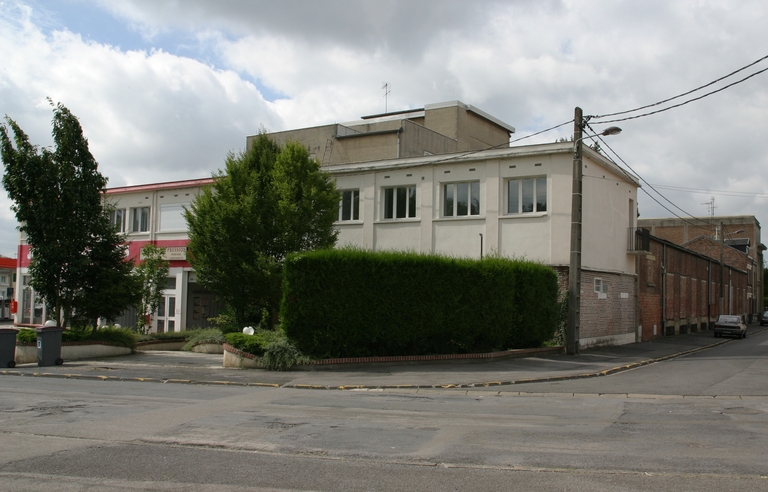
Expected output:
(154, 115)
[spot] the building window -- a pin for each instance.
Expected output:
(140, 219)
(3, 280)
(117, 219)
(528, 195)
(400, 202)
(600, 286)
(172, 217)
(460, 199)
(349, 206)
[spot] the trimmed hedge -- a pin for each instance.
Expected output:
(119, 336)
(353, 303)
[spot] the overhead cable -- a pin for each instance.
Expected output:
(685, 93)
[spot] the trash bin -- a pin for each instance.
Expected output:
(49, 346)
(8, 347)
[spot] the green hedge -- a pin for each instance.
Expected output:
(119, 336)
(352, 303)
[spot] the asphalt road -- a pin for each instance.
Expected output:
(692, 423)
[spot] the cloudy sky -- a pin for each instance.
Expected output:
(164, 89)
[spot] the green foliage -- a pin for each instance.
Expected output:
(558, 340)
(118, 336)
(78, 264)
(254, 344)
(281, 355)
(277, 352)
(169, 335)
(207, 335)
(267, 203)
(25, 335)
(226, 321)
(150, 275)
(352, 303)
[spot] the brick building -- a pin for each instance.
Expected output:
(739, 233)
(684, 289)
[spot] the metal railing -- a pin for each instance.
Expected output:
(638, 240)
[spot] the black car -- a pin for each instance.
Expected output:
(731, 324)
(764, 318)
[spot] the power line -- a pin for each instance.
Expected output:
(685, 93)
(650, 186)
(680, 104)
(746, 194)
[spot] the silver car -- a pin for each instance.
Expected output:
(732, 325)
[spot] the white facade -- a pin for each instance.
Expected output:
(537, 235)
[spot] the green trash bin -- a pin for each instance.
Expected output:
(8, 347)
(49, 346)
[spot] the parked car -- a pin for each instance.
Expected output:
(764, 318)
(731, 324)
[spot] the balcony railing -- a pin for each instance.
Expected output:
(638, 240)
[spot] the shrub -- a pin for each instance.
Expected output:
(254, 344)
(275, 349)
(25, 335)
(354, 303)
(118, 336)
(197, 337)
(169, 335)
(281, 355)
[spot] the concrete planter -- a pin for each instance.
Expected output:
(239, 359)
(27, 353)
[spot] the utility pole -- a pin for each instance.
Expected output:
(722, 269)
(574, 270)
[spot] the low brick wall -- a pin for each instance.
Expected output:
(239, 359)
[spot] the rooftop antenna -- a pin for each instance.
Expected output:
(710, 207)
(386, 94)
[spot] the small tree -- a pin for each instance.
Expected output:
(267, 203)
(77, 267)
(150, 274)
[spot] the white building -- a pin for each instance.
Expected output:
(440, 179)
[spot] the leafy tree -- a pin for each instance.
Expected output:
(267, 203)
(150, 274)
(78, 263)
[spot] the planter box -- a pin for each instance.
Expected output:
(27, 353)
(239, 359)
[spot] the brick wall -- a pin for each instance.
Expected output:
(689, 285)
(612, 315)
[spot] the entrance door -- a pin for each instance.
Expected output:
(166, 315)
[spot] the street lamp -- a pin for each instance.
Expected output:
(574, 269)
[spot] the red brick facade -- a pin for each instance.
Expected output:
(679, 290)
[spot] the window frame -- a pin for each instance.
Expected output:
(391, 199)
(540, 185)
(137, 223)
(472, 187)
(113, 216)
(354, 204)
(172, 214)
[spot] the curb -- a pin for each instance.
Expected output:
(363, 387)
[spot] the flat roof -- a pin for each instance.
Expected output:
(187, 183)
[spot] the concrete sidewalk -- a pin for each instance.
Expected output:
(193, 368)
